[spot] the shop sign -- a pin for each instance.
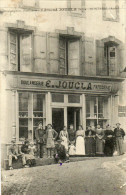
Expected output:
(63, 84)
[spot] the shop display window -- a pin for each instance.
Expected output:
(31, 112)
(96, 111)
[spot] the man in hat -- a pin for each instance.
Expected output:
(119, 137)
(39, 135)
(14, 153)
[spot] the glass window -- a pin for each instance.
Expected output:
(57, 97)
(77, 6)
(96, 110)
(73, 98)
(20, 52)
(31, 112)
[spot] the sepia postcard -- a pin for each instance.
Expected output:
(63, 97)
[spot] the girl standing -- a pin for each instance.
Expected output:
(51, 135)
(80, 145)
(64, 137)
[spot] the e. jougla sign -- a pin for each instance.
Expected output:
(65, 85)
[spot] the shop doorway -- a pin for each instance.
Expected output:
(73, 117)
(58, 119)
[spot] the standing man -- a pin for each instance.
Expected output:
(39, 135)
(119, 137)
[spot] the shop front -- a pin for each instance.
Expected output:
(60, 101)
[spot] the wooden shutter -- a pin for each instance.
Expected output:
(40, 47)
(3, 49)
(13, 53)
(101, 65)
(73, 57)
(89, 64)
(62, 55)
(53, 52)
(121, 58)
(25, 53)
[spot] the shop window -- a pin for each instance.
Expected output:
(77, 8)
(73, 98)
(57, 97)
(20, 49)
(96, 111)
(69, 56)
(31, 112)
(111, 10)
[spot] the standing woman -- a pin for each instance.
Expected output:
(51, 135)
(109, 141)
(80, 144)
(64, 137)
(99, 140)
(90, 143)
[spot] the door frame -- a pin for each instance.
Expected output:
(65, 112)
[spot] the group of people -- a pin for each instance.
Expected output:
(60, 146)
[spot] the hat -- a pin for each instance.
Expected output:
(118, 123)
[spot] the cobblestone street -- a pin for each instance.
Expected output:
(100, 176)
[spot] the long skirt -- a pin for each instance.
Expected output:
(119, 145)
(80, 146)
(65, 142)
(99, 146)
(109, 147)
(90, 146)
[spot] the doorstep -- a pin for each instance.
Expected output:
(48, 161)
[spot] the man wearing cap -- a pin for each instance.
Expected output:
(39, 135)
(14, 153)
(119, 137)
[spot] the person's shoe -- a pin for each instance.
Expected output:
(11, 168)
(67, 161)
(26, 166)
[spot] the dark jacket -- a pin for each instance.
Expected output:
(118, 132)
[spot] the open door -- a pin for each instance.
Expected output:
(58, 119)
(73, 117)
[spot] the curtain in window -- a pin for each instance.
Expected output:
(13, 51)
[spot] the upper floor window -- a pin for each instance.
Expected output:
(69, 55)
(77, 7)
(110, 57)
(20, 51)
(111, 10)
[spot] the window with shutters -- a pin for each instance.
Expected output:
(111, 10)
(110, 58)
(76, 7)
(69, 54)
(20, 51)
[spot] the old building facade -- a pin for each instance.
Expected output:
(61, 63)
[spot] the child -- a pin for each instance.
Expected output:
(51, 135)
(61, 154)
(72, 149)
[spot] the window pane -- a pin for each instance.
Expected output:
(57, 97)
(23, 128)
(73, 57)
(25, 42)
(111, 9)
(13, 51)
(73, 98)
(38, 105)
(23, 102)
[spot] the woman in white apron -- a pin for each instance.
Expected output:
(80, 143)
